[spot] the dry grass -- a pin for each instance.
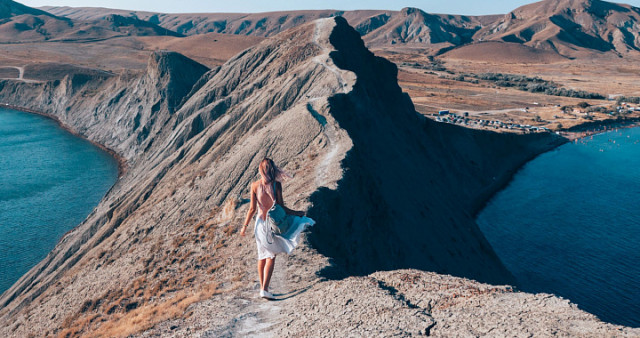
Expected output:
(141, 318)
(211, 49)
(228, 211)
(174, 274)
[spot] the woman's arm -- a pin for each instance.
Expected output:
(252, 210)
(280, 201)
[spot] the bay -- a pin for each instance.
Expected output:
(569, 224)
(50, 181)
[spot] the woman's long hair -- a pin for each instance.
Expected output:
(268, 169)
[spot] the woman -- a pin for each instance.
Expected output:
(264, 194)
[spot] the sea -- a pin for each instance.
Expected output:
(569, 224)
(50, 181)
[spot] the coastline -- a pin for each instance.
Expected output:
(615, 130)
(122, 162)
(574, 133)
(596, 127)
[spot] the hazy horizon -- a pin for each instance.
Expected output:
(464, 7)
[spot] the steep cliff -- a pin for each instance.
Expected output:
(389, 189)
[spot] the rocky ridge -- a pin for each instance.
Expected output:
(160, 254)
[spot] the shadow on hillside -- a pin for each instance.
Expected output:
(407, 187)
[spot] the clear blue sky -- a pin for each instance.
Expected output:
(468, 7)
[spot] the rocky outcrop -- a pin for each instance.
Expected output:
(389, 189)
(410, 302)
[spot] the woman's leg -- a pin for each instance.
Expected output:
(261, 272)
(268, 271)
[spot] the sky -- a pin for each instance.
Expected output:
(465, 7)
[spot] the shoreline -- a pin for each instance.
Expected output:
(570, 135)
(582, 130)
(122, 162)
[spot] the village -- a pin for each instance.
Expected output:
(485, 120)
(464, 119)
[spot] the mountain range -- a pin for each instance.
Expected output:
(565, 27)
(19, 23)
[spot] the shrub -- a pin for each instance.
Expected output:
(583, 104)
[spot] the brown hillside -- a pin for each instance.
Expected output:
(570, 26)
(410, 26)
(211, 49)
(25, 24)
(503, 52)
(415, 27)
(22, 23)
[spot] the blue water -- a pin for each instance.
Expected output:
(569, 224)
(50, 181)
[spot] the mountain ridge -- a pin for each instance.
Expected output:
(594, 27)
(19, 23)
(568, 26)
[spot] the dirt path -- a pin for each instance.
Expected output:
(324, 57)
(261, 315)
(21, 70)
(330, 161)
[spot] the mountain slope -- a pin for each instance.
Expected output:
(22, 23)
(19, 23)
(10, 8)
(570, 26)
(410, 26)
(414, 27)
(259, 24)
(389, 189)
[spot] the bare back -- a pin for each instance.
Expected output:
(265, 196)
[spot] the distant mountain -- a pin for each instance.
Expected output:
(256, 24)
(410, 26)
(414, 26)
(570, 26)
(22, 23)
(564, 27)
(19, 23)
(10, 9)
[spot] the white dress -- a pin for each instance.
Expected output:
(270, 244)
